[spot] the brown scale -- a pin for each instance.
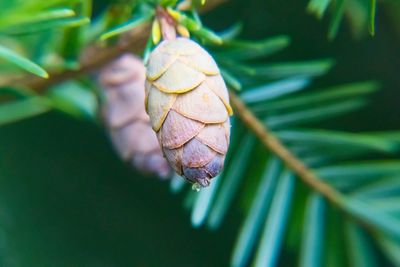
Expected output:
(188, 104)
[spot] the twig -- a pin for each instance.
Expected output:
(275, 145)
(93, 58)
(292, 162)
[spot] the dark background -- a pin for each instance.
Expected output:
(67, 200)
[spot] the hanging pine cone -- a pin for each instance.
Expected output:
(188, 105)
(125, 116)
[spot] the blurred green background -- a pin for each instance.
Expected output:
(67, 200)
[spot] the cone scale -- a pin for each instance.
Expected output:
(188, 105)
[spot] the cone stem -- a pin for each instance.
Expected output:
(167, 24)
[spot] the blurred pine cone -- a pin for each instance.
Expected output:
(188, 105)
(124, 114)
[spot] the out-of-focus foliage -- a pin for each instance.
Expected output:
(20, 18)
(361, 14)
(283, 221)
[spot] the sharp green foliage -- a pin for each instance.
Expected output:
(387, 204)
(22, 62)
(361, 252)
(280, 100)
(325, 95)
(30, 17)
(250, 231)
(231, 33)
(74, 100)
(372, 13)
(207, 36)
(66, 23)
(232, 176)
(362, 170)
(195, 15)
(314, 142)
(288, 69)
(176, 184)
(203, 203)
(313, 114)
(198, 30)
(273, 232)
(275, 90)
(236, 67)
(313, 233)
(231, 80)
(127, 26)
(373, 216)
(46, 15)
(192, 24)
(30, 11)
(22, 109)
(331, 139)
(246, 50)
(384, 187)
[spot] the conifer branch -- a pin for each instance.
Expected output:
(96, 56)
(92, 59)
(275, 145)
(291, 161)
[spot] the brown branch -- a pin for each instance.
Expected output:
(275, 145)
(93, 58)
(291, 161)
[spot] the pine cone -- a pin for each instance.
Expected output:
(188, 105)
(124, 114)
